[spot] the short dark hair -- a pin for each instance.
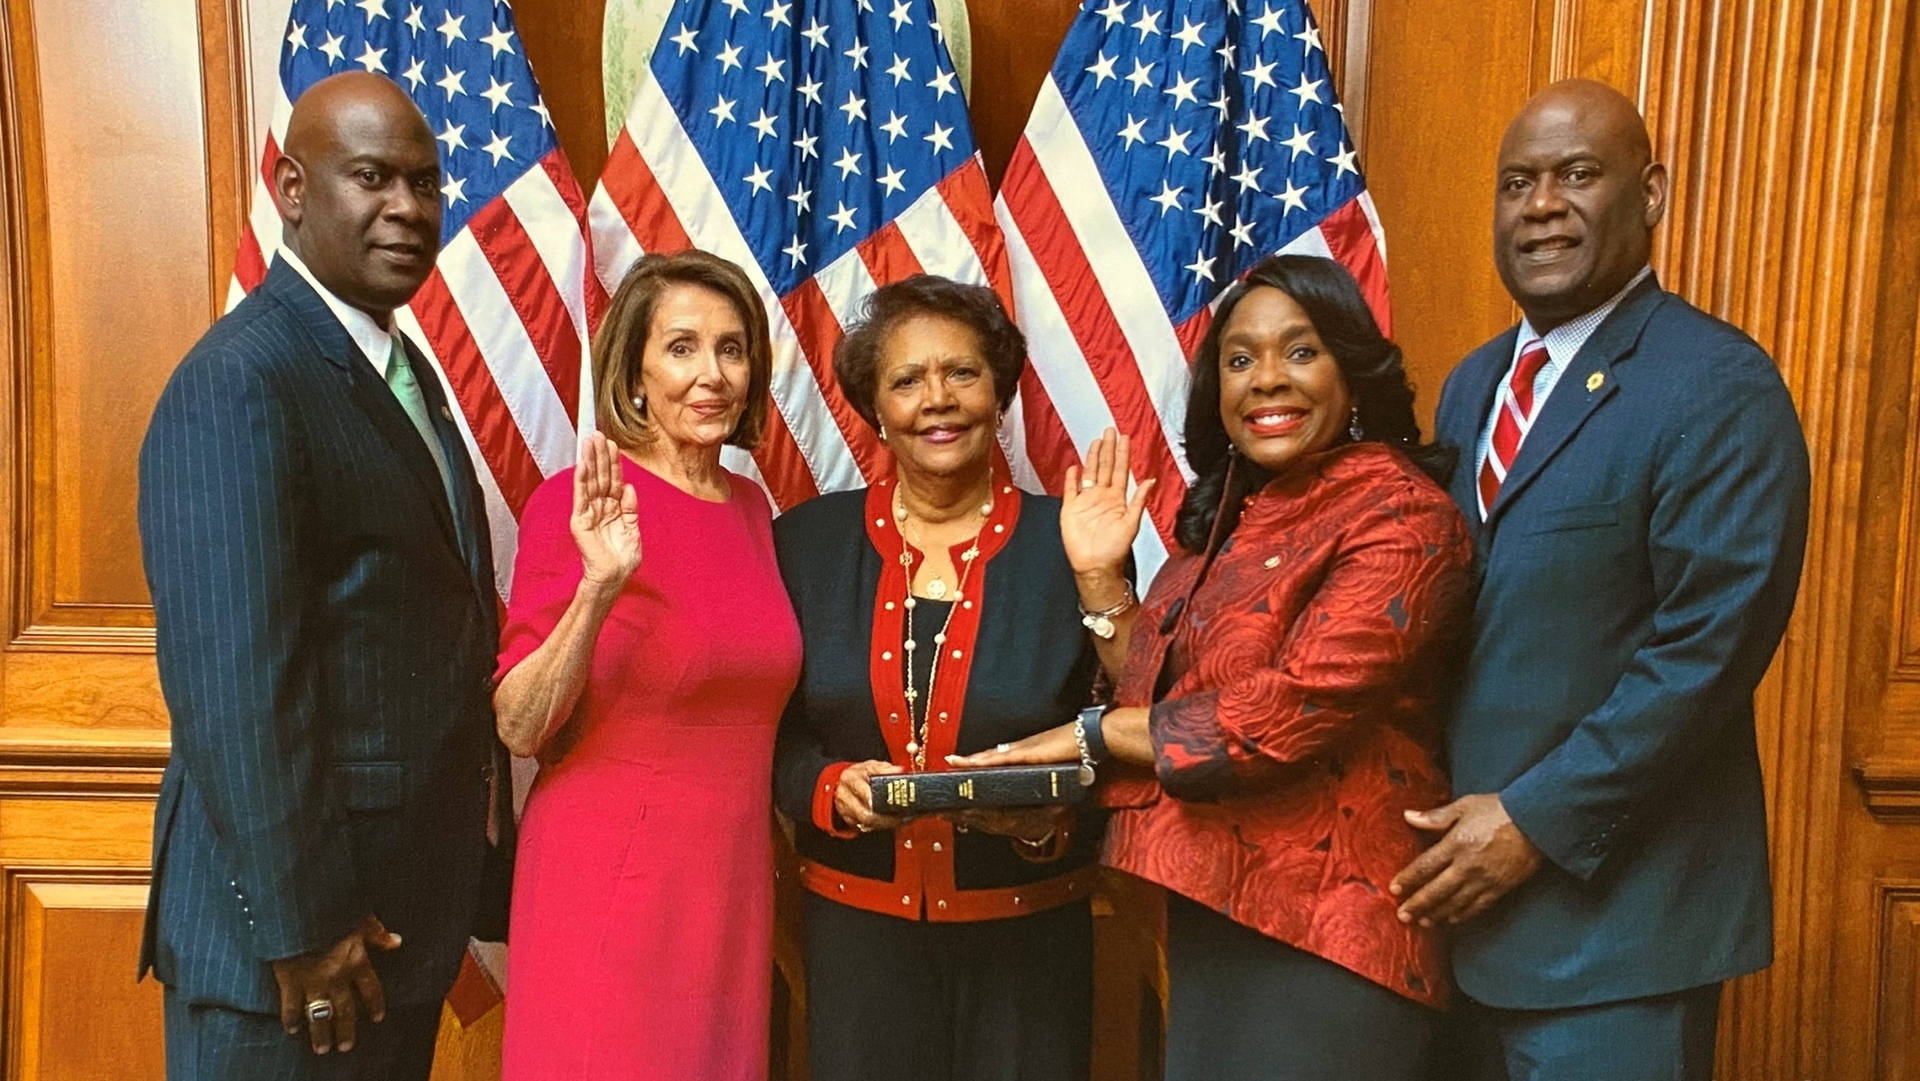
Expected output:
(622, 339)
(1374, 371)
(856, 360)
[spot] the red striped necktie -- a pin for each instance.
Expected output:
(1510, 425)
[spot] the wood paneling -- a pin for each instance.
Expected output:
(1441, 82)
(1014, 42)
(75, 1015)
(562, 39)
(125, 137)
(106, 102)
(122, 135)
(1896, 987)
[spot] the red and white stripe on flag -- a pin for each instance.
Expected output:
(1134, 200)
(505, 315)
(824, 149)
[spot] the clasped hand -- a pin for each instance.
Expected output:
(343, 977)
(853, 803)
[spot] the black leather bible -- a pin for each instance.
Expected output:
(963, 789)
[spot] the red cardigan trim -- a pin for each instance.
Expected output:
(943, 903)
(923, 848)
(886, 660)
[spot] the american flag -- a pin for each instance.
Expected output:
(505, 315)
(1174, 144)
(824, 147)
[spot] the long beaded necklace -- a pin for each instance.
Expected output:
(936, 590)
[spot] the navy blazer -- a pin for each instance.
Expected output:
(1637, 571)
(326, 651)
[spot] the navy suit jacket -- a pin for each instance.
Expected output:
(1636, 574)
(326, 649)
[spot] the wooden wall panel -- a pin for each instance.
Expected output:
(77, 1015)
(108, 102)
(1896, 986)
(1441, 82)
(73, 875)
(562, 39)
(122, 134)
(1789, 129)
(1014, 42)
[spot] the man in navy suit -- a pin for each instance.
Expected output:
(1637, 483)
(323, 594)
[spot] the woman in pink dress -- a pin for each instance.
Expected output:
(650, 685)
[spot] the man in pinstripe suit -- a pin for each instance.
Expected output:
(324, 600)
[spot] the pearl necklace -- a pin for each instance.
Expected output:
(936, 590)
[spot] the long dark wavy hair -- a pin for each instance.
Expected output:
(1371, 365)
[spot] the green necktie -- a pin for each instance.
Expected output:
(407, 389)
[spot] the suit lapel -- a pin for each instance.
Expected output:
(371, 396)
(1587, 384)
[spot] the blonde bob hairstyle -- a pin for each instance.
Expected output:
(622, 341)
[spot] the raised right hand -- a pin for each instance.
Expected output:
(853, 799)
(606, 515)
(344, 977)
(1097, 520)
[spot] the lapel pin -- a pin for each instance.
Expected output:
(1594, 381)
(447, 414)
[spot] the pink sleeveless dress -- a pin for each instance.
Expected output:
(641, 939)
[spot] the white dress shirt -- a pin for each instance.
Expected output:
(1563, 344)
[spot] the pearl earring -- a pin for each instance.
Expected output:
(1354, 431)
(883, 435)
(640, 402)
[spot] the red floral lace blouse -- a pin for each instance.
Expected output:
(1297, 723)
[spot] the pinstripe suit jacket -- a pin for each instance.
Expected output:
(325, 649)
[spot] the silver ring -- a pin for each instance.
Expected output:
(1003, 748)
(1086, 482)
(863, 827)
(319, 1010)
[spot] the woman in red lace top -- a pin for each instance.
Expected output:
(1274, 719)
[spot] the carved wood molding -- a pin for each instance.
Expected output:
(1905, 639)
(1890, 787)
(92, 764)
(1894, 1035)
(1780, 120)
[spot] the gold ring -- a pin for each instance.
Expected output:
(319, 1010)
